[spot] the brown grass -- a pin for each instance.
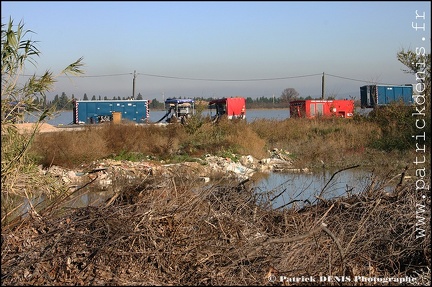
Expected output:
(161, 232)
(72, 148)
(336, 142)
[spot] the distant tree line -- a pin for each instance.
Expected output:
(63, 102)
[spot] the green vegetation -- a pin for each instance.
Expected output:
(397, 126)
(18, 167)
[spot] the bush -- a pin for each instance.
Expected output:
(397, 126)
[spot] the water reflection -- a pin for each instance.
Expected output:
(89, 198)
(285, 190)
(276, 190)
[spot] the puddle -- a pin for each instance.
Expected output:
(284, 190)
(278, 189)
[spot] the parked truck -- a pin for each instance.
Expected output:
(232, 108)
(95, 112)
(178, 110)
(322, 108)
(374, 96)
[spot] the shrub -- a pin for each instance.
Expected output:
(397, 126)
(17, 99)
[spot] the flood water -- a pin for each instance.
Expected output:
(66, 117)
(276, 190)
(281, 189)
(297, 189)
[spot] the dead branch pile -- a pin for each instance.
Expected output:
(172, 233)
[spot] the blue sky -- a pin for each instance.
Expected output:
(222, 49)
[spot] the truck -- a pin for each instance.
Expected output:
(100, 111)
(321, 108)
(374, 96)
(178, 110)
(232, 108)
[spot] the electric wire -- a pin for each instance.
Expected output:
(230, 80)
(363, 81)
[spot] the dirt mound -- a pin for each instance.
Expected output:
(29, 127)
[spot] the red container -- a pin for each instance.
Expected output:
(233, 108)
(322, 108)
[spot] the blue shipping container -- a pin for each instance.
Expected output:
(372, 96)
(93, 112)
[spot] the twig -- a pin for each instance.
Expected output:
(283, 240)
(279, 194)
(336, 241)
(334, 174)
(361, 224)
(398, 186)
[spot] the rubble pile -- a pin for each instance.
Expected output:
(105, 172)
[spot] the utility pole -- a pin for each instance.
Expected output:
(322, 87)
(133, 86)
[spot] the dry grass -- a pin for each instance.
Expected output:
(332, 141)
(72, 148)
(167, 232)
(335, 142)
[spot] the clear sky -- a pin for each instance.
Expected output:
(222, 49)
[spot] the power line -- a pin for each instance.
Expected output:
(224, 80)
(228, 80)
(192, 79)
(89, 76)
(113, 75)
(100, 76)
(363, 81)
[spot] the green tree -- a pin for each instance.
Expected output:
(93, 98)
(70, 103)
(155, 104)
(139, 97)
(63, 102)
(85, 98)
(17, 99)
(55, 102)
